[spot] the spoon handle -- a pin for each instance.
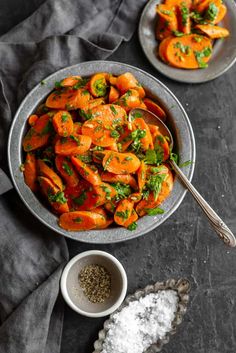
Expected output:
(216, 222)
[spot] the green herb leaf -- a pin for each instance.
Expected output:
(64, 117)
(80, 199)
(132, 226)
(100, 87)
(57, 84)
(123, 214)
(58, 197)
(185, 164)
(77, 220)
(67, 169)
(85, 114)
(174, 157)
(154, 211)
(81, 83)
(211, 13)
(122, 190)
(115, 134)
(178, 34)
(113, 109)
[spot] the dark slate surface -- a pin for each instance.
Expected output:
(184, 246)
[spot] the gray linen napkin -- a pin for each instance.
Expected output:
(58, 34)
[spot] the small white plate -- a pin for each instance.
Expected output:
(224, 50)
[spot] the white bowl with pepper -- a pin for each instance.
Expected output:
(94, 283)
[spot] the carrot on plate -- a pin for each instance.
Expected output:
(119, 178)
(123, 211)
(221, 14)
(120, 163)
(114, 94)
(146, 141)
(73, 144)
(162, 51)
(98, 84)
(81, 220)
(63, 123)
(66, 169)
(142, 174)
(38, 134)
(32, 119)
(129, 100)
(30, 171)
(183, 16)
(132, 219)
(70, 81)
(127, 81)
(68, 99)
(44, 170)
(155, 108)
(88, 173)
(167, 21)
(213, 32)
(108, 220)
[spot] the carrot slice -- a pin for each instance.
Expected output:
(81, 220)
(77, 128)
(99, 155)
(74, 144)
(132, 218)
(135, 197)
(70, 81)
(86, 171)
(30, 172)
(161, 141)
(147, 204)
(123, 212)
(162, 50)
(69, 99)
(142, 175)
(55, 197)
(120, 163)
(125, 139)
(63, 123)
(32, 119)
(146, 141)
(119, 178)
(67, 171)
(126, 82)
(110, 206)
(44, 170)
(95, 102)
(213, 32)
(129, 100)
(221, 14)
(98, 84)
(167, 21)
(202, 6)
(113, 94)
(108, 220)
(183, 16)
(38, 134)
(155, 108)
(189, 52)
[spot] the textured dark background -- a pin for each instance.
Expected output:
(185, 245)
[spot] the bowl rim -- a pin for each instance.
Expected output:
(75, 259)
(43, 213)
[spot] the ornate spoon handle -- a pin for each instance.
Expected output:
(216, 222)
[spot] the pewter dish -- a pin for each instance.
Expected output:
(178, 122)
(224, 50)
(181, 286)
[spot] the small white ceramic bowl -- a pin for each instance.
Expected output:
(73, 293)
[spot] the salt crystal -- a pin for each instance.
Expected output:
(141, 323)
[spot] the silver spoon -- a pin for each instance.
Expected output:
(216, 222)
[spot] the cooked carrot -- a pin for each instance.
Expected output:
(221, 14)
(162, 53)
(102, 212)
(125, 139)
(123, 212)
(120, 163)
(81, 220)
(113, 147)
(132, 218)
(70, 81)
(55, 196)
(38, 134)
(113, 94)
(173, 4)
(99, 155)
(69, 99)
(146, 141)
(98, 84)
(95, 102)
(112, 80)
(30, 171)
(154, 130)
(86, 171)
(77, 128)
(142, 175)
(161, 141)
(135, 197)
(73, 144)
(167, 21)
(67, 171)
(126, 82)
(183, 16)
(202, 6)
(129, 100)
(189, 52)
(32, 119)
(110, 206)
(44, 170)
(119, 178)
(63, 123)
(151, 202)
(213, 32)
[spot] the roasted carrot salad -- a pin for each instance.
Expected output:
(93, 165)
(186, 30)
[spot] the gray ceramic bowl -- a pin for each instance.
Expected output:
(224, 51)
(177, 121)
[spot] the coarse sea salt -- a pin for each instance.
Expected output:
(141, 323)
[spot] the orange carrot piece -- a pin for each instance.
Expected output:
(44, 170)
(102, 212)
(192, 44)
(132, 218)
(114, 94)
(161, 141)
(162, 51)
(146, 141)
(86, 171)
(129, 100)
(119, 178)
(30, 172)
(95, 102)
(221, 14)
(63, 123)
(38, 135)
(167, 21)
(99, 155)
(32, 119)
(126, 82)
(112, 80)
(81, 220)
(110, 206)
(70, 81)
(135, 197)
(77, 128)
(74, 144)
(125, 139)
(54, 195)
(213, 32)
(155, 108)
(67, 171)
(120, 163)
(98, 84)
(142, 175)
(183, 16)
(69, 99)
(123, 212)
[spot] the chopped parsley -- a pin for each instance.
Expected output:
(185, 164)
(123, 214)
(81, 83)
(77, 220)
(47, 128)
(185, 49)
(67, 169)
(154, 211)
(76, 139)
(122, 190)
(211, 13)
(136, 135)
(132, 226)
(113, 109)
(136, 115)
(178, 34)
(174, 157)
(184, 14)
(109, 159)
(58, 197)
(115, 134)
(80, 199)
(154, 183)
(199, 55)
(85, 114)
(57, 84)
(64, 117)
(100, 87)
